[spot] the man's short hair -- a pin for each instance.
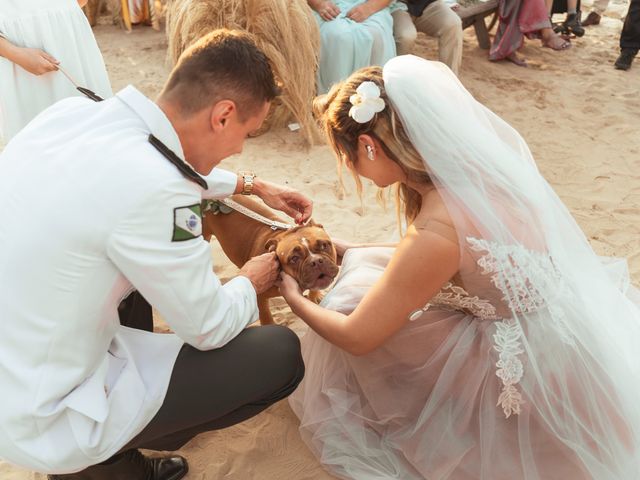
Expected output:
(222, 65)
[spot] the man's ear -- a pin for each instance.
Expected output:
(271, 245)
(221, 113)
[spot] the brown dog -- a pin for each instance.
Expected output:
(305, 252)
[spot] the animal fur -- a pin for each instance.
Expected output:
(285, 30)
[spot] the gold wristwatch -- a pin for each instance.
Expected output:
(247, 182)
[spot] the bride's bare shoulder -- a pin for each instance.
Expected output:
(434, 217)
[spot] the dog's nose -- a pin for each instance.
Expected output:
(317, 261)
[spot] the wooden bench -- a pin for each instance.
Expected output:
(474, 12)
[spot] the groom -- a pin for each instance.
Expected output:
(103, 198)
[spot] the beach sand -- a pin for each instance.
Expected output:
(580, 116)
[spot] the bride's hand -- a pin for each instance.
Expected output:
(288, 286)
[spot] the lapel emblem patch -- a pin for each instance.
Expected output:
(187, 222)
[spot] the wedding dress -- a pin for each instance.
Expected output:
(523, 366)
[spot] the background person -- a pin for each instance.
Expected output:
(36, 38)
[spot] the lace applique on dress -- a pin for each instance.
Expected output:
(453, 297)
(520, 274)
(516, 271)
(510, 369)
(506, 338)
(507, 265)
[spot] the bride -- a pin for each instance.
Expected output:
(491, 343)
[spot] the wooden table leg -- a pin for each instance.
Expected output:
(481, 32)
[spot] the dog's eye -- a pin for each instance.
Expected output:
(294, 259)
(322, 246)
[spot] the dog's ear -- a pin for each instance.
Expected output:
(271, 245)
(311, 223)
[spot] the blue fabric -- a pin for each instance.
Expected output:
(347, 46)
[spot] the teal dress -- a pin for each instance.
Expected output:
(347, 46)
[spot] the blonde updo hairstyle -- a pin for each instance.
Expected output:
(342, 132)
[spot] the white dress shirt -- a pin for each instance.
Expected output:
(88, 212)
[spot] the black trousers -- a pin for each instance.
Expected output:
(215, 389)
(630, 36)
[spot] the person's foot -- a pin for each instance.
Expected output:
(131, 465)
(515, 58)
(625, 59)
(592, 19)
(555, 42)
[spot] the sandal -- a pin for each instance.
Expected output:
(557, 43)
(571, 26)
(521, 62)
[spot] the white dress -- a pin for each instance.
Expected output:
(59, 28)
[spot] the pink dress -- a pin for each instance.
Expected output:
(450, 396)
(518, 18)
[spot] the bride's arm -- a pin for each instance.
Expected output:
(342, 246)
(421, 264)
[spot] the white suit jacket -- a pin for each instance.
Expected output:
(89, 211)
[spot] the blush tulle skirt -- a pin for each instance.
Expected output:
(425, 404)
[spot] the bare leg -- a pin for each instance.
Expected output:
(551, 39)
(549, 4)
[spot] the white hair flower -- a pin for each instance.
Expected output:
(366, 102)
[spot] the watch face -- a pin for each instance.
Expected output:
(247, 179)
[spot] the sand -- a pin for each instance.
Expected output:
(580, 116)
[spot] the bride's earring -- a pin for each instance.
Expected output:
(369, 152)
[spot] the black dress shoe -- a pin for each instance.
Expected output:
(625, 59)
(132, 465)
(572, 24)
(592, 19)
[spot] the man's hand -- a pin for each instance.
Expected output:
(288, 286)
(285, 199)
(262, 271)
(35, 61)
(326, 9)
